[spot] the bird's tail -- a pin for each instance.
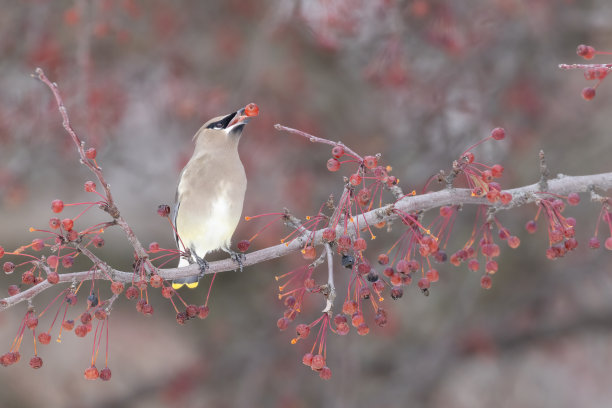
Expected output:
(191, 282)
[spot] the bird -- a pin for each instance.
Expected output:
(210, 193)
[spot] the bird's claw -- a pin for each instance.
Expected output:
(238, 258)
(203, 266)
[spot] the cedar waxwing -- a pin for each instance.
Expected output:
(210, 194)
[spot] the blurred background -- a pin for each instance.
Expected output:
(417, 81)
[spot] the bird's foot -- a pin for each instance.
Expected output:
(203, 266)
(236, 257)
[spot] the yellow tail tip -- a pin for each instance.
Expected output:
(177, 286)
(192, 285)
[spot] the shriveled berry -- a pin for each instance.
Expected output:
(424, 283)
(57, 206)
(372, 276)
(381, 317)
(131, 293)
(147, 309)
(90, 186)
(473, 265)
(337, 151)
(68, 324)
(105, 374)
(31, 321)
(357, 319)
(251, 110)
(497, 170)
(67, 261)
(85, 317)
(302, 330)
(344, 243)
(329, 234)
(156, 281)
(360, 244)
(8, 267)
(167, 292)
(243, 245)
(363, 329)
(38, 244)
(92, 300)
(44, 338)
(81, 330)
(318, 362)
(117, 287)
(163, 210)
(28, 278)
(498, 133)
(364, 268)
(98, 241)
(203, 311)
(91, 153)
(397, 292)
(91, 373)
(36, 362)
(370, 162)
(181, 317)
(383, 259)
(191, 310)
(333, 164)
(364, 293)
(13, 290)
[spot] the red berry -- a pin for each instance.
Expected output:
(203, 312)
(344, 243)
(8, 267)
(90, 186)
(38, 244)
(282, 323)
(98, 241)
(357, 319)
(498, 133)
(131, 293)
(491, 267)
(67, 223)
(396, 292)
(333, 165)
(383, 259)
(585, 51)
(68, 324)
(433, 275)
(163, 210)
(573, 199)
(363, 329)
(181, 318)
(325, 373)
(243, 245)
(594, 243)
(251, 109)
(531, 226)
(13, 290)
(608, 243)
(473, 265)
(53, 278)
(360, 244)
(105, 374)
(91, 153)
(44, 338)
(355, 179)
(514, 241)
(588, 93)
(147, 309)
(153, 247)
(424, 283)
(318, 362)
(57, 206)
(31, 321)
(28, 278)
(370, 162)
(36, 362)
(92, 373)
(100, 314)
(307, 359)
(191, 310)
(469, 157)
(497, 170)
(156, 281)
(364, 196)
(486, 282)
(505, 197)
(329, 234)
(302, 330)
(67, 261)
(81, 330)
(117, 287)
(167, 292)
(349, 307)
(338, 151)
(309, 252)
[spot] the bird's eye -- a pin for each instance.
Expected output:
(218, 125)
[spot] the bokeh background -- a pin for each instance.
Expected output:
(414, 80)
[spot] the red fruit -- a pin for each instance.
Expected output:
(105, 374)
(147, 309)
(363, 329)
(68, 324)
(498, 133)
(608, 244)
(53, 278)
(497, 170)
(31, 321)
(98, 241)
(54, 223)
(131, 293)
(338, 151)
(505, 198)
(91, 153)
(585, 51)
(90, 186)
(491, 267)
(424, 283)
(203, 312)
(333, 165)
(282, 323)
(85, 317)
(355, 179)
(153, 247)
(100, 314)
(13, 290)
(364, 196)
(360, 244)
(370, 162)
(67, 223)
(383, 259)
(251, 109)
(44, 338)
(302, 330)
(309, 252)
(325, 373)
(36, 362)
(344, 243)
(81, 330)
(67, 261)
(156, 281)
(92, 373)
(28, 278)
(514, 242)
(8, 267)
(349, 307)
(357, 319)
(38, 244)
(473, 265)
(469, 157)
(329, 234)
(1, 252)
(57, 206)
(531, 226)
(163, 210)
(318, 362)
(191, 310)
(594, 243)
(588, 93)
(573, 199)
(243, 245)
(486, 282)
(117, 287)
(433, 275)
(307, 359)
(396, 292)
(167, 292)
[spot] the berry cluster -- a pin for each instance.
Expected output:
(592, 72)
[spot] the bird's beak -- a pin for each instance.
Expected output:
(239, 120)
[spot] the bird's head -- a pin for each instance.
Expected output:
(223, 129)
